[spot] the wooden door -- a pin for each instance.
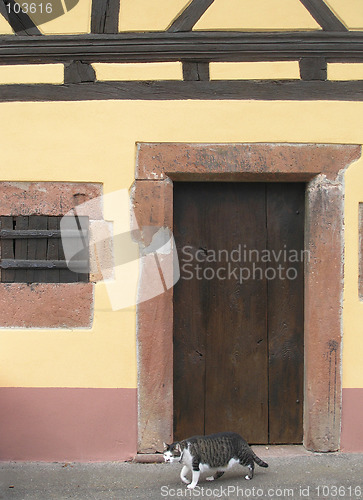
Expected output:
(238, 310)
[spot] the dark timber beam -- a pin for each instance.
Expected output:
(194, 46)
(195, 71)
(105, 16)
(20, 22)
(313, 68)
(190, 16)
(178, 90)
(78, 72)
(322, 14)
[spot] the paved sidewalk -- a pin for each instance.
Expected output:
(298, 476)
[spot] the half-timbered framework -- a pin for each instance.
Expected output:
(195, 49)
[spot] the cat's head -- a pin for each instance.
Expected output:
(172, 452)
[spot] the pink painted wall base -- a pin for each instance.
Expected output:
(352, 422)
(61, 424)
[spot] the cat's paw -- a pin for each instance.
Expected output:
(210, 478)
(248, 477)
(185, 480)
(191, 486)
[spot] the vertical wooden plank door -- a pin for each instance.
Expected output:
(238, 318)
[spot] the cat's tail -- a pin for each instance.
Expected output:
(258, 461)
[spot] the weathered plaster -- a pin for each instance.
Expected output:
(46, 305)
(49, 198)
(55, 305)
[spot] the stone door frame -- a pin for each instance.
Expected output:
(321, 167)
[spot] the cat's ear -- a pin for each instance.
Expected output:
(165, 446)
(178, 447)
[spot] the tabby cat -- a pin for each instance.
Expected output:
(217, 452)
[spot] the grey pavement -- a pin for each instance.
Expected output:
(306, 475)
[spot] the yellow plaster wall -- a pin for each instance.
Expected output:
(32, 73)
(138, 71)
(256, 15)
(5, 28)
(149, 15)
(75, 21)
(95, 141)
(157, 15)
(254, 71)
(348, 11)
(101, 357)
(345, 71)
(353, 306)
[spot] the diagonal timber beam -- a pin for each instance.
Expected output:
(190, 16)
(20, 22)
(323, 15)
(104, 16)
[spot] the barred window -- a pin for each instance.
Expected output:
(32, 251)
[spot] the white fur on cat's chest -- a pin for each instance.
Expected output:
(188, 460)
(206, 468)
